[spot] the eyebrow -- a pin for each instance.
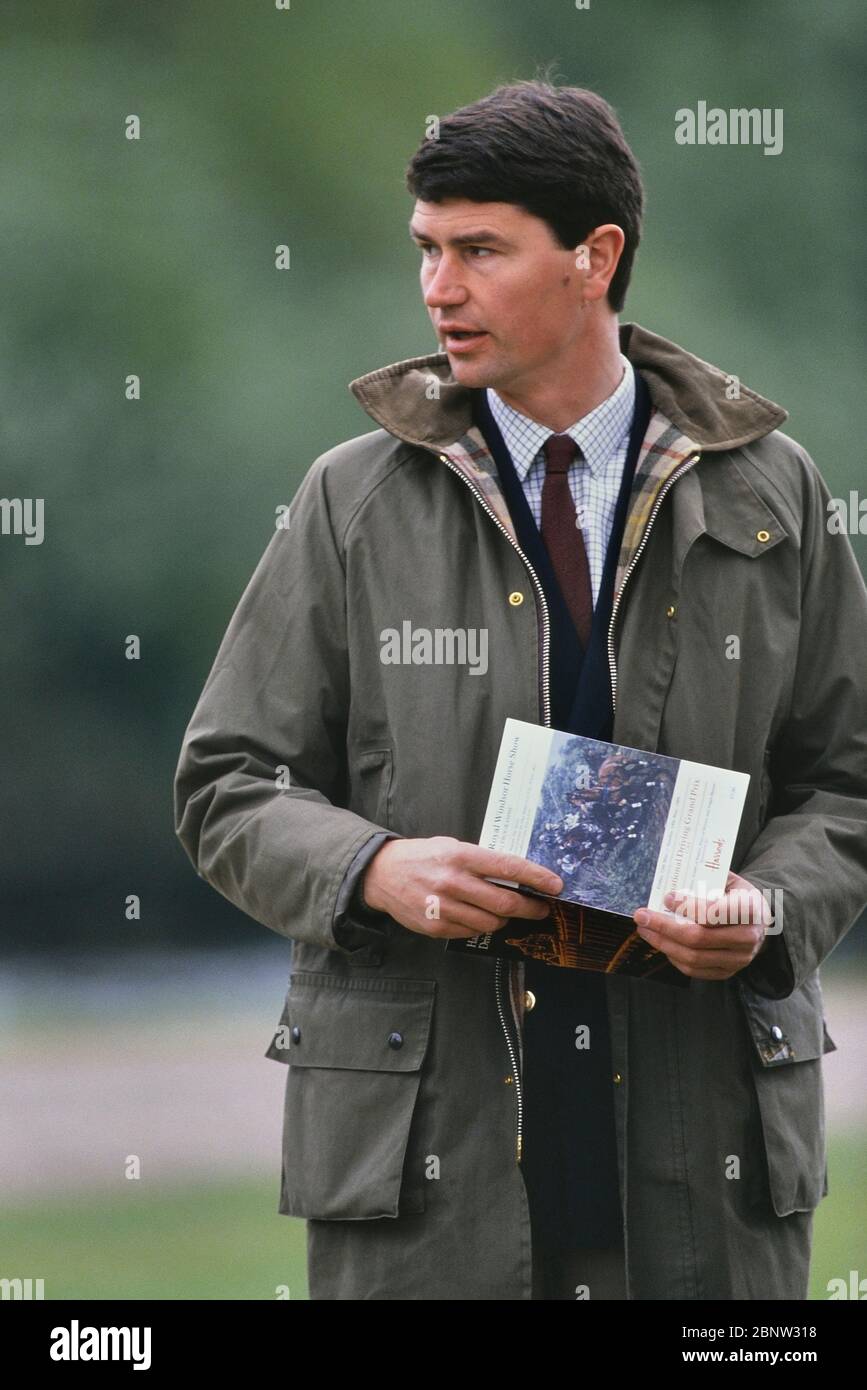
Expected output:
(465, 238)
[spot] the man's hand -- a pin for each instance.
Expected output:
(438, 886)
(710, 952)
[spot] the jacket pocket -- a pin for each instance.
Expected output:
(354, 1049)
(789, 1038)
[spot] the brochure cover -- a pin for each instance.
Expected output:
(621, 826)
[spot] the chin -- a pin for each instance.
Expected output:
(473, 374)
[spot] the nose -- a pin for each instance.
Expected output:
(442, 287)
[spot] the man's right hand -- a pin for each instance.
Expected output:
(438, 886)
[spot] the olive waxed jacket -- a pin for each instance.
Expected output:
(738, 637)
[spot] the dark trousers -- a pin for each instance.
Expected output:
(569, 1160)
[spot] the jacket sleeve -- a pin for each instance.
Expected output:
(813, 849)
(262, 782)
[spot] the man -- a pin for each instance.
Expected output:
(646, 556)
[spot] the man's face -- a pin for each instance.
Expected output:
(495, 269)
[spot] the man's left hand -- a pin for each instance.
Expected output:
(692, 940)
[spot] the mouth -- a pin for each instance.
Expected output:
(463, 340)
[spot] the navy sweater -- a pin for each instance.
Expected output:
(570, 1155)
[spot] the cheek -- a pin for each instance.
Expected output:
(540, 325)
(533, 312)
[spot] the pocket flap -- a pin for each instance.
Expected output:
(354, 1024)
(735, 514)
(787, 1030)
(789, 1037)
(355, 1047)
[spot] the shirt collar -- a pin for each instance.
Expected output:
(600, 434)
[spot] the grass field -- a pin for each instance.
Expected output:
(227, 1241)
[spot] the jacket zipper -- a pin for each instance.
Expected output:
(516, 1072)
(546, 719)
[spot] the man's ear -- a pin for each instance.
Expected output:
(608, 240)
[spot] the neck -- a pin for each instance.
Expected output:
(561, 393)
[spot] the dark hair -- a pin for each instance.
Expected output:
(558, 152)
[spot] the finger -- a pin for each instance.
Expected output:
(696, 965)
(700, 964)
(491, 897)
(722, 963)
(673, 927)
(493, 864)
(452, 917)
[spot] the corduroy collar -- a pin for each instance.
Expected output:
(691, 393)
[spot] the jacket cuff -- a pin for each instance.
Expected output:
(355, 924)
(771, 972)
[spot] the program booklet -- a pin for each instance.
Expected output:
(622, 827)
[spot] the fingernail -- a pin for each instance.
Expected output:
(641, 917)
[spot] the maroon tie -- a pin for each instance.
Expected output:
(561, 535)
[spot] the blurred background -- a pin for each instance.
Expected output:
(261, 127)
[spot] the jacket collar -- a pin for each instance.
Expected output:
(419, 401)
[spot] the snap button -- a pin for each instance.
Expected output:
(296, 1034)
(763, 535)
(617, 1078)
(777, 1033)
(516, 599)
(670, 610)
(529, 1000)
(395, 1040)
